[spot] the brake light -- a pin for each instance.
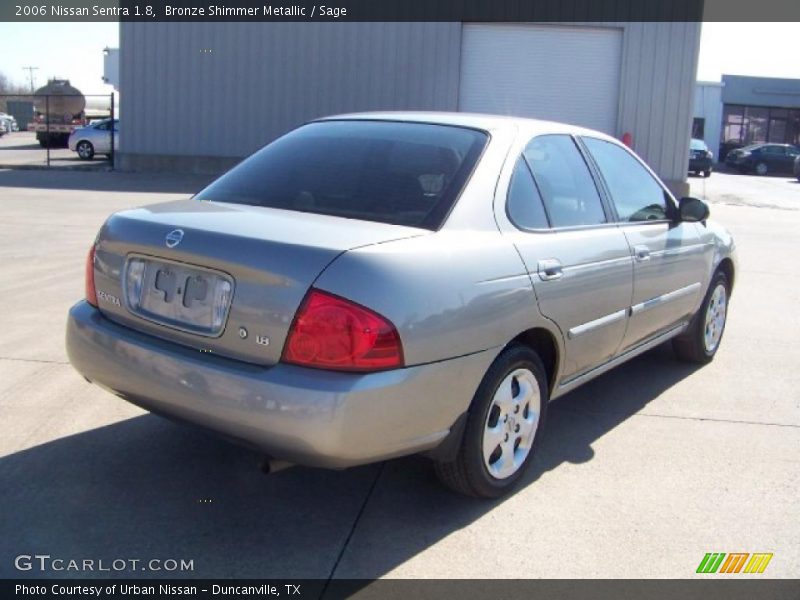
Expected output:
(91, 293)
(330, 332)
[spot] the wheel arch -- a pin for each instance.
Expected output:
(726, 267)
(539, 339)
(545, 344)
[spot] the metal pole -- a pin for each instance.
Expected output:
(112, 131)
(47, 118)
(30, 74)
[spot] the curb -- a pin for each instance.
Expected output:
(105, 168)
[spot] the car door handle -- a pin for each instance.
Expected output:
(550, 269)
(641, 253)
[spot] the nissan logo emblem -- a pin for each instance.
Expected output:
(174, 238)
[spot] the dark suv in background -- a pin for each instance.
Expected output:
(700, 158)
(763, 158)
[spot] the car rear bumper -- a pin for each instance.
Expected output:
(305, 416)
(700, 164)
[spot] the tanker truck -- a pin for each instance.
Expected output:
(57, 110)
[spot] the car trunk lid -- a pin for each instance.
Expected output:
(225, 279)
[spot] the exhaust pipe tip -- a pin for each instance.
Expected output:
(269, 466)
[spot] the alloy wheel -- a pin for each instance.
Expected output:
(511, 423)
(715, 318)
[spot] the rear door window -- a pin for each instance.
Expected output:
(392, 172)
(563, 179)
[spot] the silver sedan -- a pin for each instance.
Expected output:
(376, 285)
(93, 139)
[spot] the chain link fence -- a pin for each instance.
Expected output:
(58, 130)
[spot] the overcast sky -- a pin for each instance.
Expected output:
(75, 51)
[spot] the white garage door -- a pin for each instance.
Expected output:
(567, 74)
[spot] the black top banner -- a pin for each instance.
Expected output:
(400, 10)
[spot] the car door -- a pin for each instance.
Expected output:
(669, 258)
(578, 260)
(782, 159)
(791, 154)
(771, 156)
(102, 138)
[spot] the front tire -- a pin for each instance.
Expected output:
(85, 150)
(700, 342)
(503, 427)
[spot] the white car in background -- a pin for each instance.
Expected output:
(7, 123)
(94, 139)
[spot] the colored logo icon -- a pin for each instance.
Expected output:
(735, 562)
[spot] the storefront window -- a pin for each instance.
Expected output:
(793, 127)
(742, 125)
(757, 118)
(777, 130)
(732, 124)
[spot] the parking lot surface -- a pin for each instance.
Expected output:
(640, 473)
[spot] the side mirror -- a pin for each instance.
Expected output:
(692, 210)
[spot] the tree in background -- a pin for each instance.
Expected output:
(8, 87)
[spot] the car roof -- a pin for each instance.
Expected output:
(484, 122)
(754, 144)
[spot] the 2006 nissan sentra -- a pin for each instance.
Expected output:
(370, 286)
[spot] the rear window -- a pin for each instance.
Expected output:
(698, 145)
(390, 172)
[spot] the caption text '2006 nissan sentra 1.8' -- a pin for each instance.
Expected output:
(371, 286)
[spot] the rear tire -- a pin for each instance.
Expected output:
(503, 427)
(761, 169)
(700, 342)
(707, 173)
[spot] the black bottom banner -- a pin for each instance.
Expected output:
(550, 589)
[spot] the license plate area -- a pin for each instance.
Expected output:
(178, 295)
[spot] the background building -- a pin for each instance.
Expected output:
(759, 109)
(746, 110)
(707, 124)
(199, 96)
(111, 67)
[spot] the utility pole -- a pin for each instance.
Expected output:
(30, 74)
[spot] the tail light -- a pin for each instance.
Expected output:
(91, 293)
(330, 332)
